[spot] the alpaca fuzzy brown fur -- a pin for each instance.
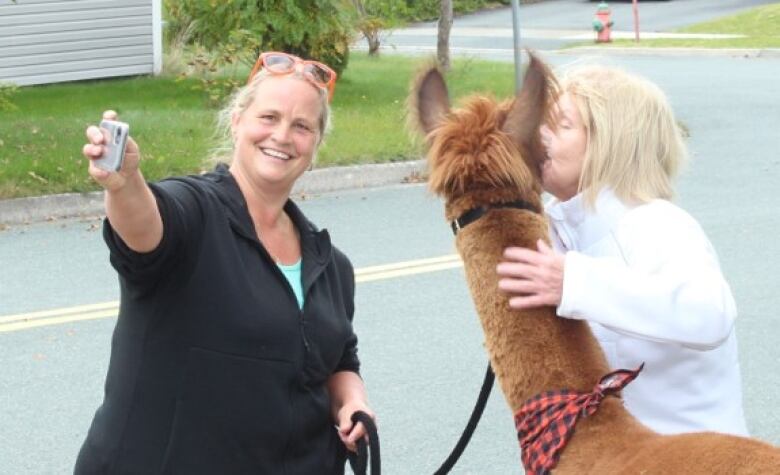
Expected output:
(485, 153)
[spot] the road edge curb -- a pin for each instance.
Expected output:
(323, 180)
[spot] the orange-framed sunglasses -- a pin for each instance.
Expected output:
(282, 63)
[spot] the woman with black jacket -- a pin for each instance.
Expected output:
(234, 350)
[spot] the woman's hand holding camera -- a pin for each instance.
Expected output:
(94, 150)
(130, 205)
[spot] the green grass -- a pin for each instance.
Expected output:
(41, 142)
(43, 138)
(757, 22)
(760, 25)
(370, 106)
(719, 43)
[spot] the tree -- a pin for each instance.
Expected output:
(443, 41)
(369, 26)
(375, 16)
(316, 29)
(223, 35)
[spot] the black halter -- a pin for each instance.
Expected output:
(475, 213)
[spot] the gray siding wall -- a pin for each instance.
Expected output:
(46, 41)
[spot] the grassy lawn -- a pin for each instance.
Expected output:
(40, 143)
(761, 25)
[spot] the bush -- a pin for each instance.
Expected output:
(7, 91)
(316, 29)
(420, 10)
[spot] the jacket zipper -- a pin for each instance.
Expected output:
(302, 324)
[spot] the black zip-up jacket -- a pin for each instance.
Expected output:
(214, 368)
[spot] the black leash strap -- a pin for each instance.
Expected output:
(359, 461)
(476, 414)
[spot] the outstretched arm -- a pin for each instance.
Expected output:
(130, 205)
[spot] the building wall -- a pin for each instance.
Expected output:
(47, 41)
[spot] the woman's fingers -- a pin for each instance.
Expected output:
(349, 437)
(544, 248)
(531, 278)
(517, 286)
(95, 135)
(94, 149)
(357, 432)
(516, 270)
(93, 152)
(97, 173)
(521, 254)
(526, 302)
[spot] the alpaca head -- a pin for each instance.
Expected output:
(483, 144)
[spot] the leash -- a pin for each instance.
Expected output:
(366, 450)
(359, 461)
(476, 414)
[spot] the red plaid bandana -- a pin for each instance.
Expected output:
(545, 423)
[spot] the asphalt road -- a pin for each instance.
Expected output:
(578, 14)
(554, 24)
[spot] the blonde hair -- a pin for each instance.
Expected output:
(240, 102)
(634, 144)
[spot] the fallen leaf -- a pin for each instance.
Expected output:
(38, 177)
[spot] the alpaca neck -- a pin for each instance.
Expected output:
(457, 205)
(531, 351)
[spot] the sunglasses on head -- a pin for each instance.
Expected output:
(282, 63)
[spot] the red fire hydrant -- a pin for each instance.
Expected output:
(602, 24)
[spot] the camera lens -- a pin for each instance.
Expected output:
(118, 137)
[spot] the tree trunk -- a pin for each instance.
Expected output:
(443, 43)
(370, 28)
(373, 43)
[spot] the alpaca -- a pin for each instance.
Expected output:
(485, 156)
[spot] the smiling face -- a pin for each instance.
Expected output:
(565, 144)
(276, 136)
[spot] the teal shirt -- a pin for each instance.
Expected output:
(293, 275)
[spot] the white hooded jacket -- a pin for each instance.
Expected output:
(648, 281)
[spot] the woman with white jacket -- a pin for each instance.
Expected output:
(638, 268)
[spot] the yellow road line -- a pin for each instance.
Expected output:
(23, 321)
(60, 312)
(42, 322)
(394, 273)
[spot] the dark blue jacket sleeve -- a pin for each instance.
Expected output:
(349, 358)
(180, 206)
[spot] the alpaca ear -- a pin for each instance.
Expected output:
(531, 105)
(432, 100)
